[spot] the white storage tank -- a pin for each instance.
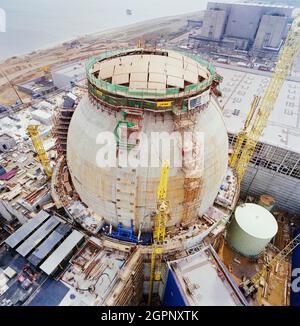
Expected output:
(251, 229)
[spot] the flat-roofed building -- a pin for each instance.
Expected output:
(38, 236)
(50, 265)
(275, 166)
(44, 249)
(201, 279)
(244, 25)
(64, 75)
(25, 230)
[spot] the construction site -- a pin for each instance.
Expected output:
(79, 226)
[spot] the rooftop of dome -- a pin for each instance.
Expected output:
(151, 71)
(142, 72)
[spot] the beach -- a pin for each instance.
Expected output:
(25, 67)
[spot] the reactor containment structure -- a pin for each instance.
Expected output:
(136, 92)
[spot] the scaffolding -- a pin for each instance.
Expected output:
(61, 127)
(191, 166)
(101, 88)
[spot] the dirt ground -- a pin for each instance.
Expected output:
(21, 68)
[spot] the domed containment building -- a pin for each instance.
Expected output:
(141, 91)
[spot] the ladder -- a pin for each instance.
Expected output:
(159, 231)
(126, 189)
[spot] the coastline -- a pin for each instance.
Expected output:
(96, 34)
(28, 66)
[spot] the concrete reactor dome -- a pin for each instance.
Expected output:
(251, 229)
(133, 95)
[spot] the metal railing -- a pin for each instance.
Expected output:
(146, 93)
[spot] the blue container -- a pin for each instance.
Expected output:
(295, 288)
(2, 170)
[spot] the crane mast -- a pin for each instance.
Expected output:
(246, 142)
(159, 231)
(11, 85)
(243, 134)
(250, 286)
(38, 145)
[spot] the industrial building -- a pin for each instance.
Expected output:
(147, 90)
(200, 273)
(63, 76)
(244, 26)
(37, 87)
(94, 243)
(274, 168)
(7, 142)
(144, 73)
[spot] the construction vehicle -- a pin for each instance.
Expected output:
(251, 286)
(38, 145)
(159, 231)
(246, 142)
(125, 234)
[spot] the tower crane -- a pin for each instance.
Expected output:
(159, 231)
(250, 286)
(246, 142)
(139, 44)
(38, 145)
(243, 134)
(11, 85)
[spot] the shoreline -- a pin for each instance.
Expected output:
(21, 68)
(95, 34)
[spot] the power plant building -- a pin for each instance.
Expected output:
(244, 25)
(134, 198)
(275, 166)
(148, 92)
(64, 75)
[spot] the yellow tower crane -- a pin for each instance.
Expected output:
(243, 134)
(38, 145)
(251, 286)
(246, 142)
(159, 231)
(11, 85)
(139, 44)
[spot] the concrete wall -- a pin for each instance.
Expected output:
(121, 194)
(213, 24)
(270, 32)
(62, 76)
(243, 21)
(285, 189)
